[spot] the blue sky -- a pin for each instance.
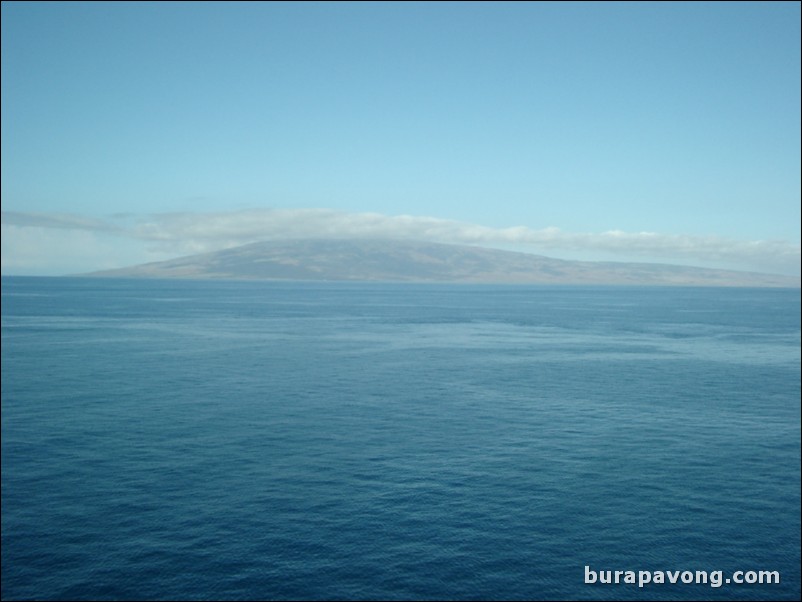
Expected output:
(626, 131)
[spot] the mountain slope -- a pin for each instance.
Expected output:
(410, 261)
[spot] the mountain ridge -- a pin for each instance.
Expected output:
(394, 260)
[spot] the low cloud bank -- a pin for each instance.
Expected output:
(171, 234)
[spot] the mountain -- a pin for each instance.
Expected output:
(410, 261)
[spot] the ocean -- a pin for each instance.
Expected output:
(340, 441)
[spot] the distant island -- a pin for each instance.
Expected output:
(375, 260)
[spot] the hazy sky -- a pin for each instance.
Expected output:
(630, 131)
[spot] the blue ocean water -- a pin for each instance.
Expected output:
(242, 440)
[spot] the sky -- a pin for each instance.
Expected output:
(659, 132)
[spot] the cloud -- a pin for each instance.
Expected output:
(171, 234)
(194, 232)
(64, 221)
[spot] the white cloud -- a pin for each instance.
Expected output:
(63, 221)
(172, 234)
